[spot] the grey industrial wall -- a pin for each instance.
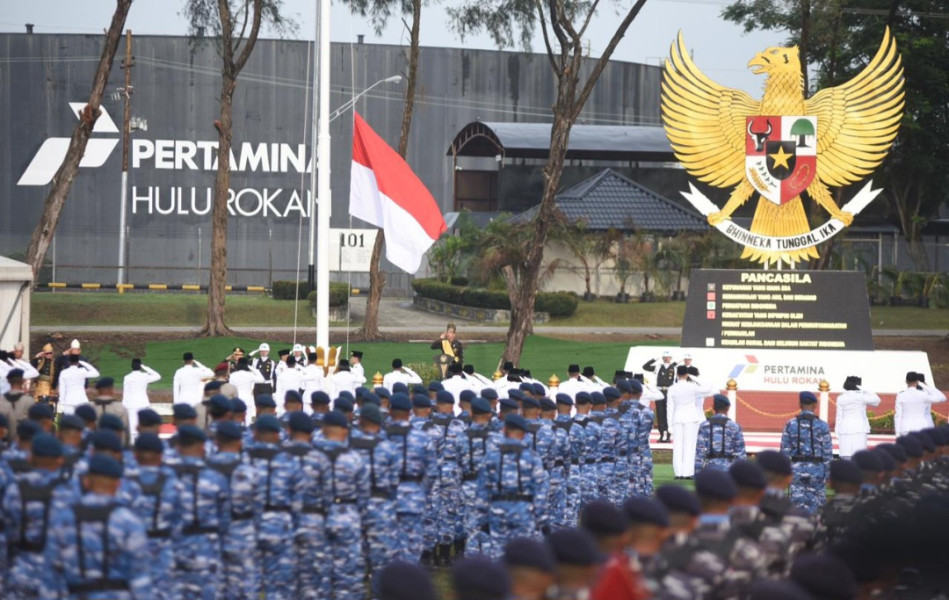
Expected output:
(176, 90)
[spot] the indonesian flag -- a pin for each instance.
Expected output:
(385, 192)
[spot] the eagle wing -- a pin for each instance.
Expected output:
(704, 121)
(858, 120)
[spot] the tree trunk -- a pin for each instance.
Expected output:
(52, 209)
(377, 279)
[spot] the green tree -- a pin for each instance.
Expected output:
(590, 248)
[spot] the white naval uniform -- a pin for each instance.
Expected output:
(72, 386)
(914, 408)
(244, 381)
(288, 379)
(852, 425)
(404, 375)
(29, 372)
(650, 394)
(188, 386)
(457, 384)
(686, 401)
(479, 382)
(313, 379)
(344, 380)
(358, 370)
(135, 394)
(573, 385)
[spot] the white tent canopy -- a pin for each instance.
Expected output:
(15, 280)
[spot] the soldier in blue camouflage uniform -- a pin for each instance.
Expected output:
(239, 545)
(640, 420)
(416, 469)
(576, 439)
(445, 495)
(159, 508)
(473, 445)
(721, 441)
(348, 484)
(561, 450)
(806, 441)
(278, 478)
(29, 505)
(618, 484)
(512, 489)
(589, 457)
(540, 432)
(610, 441)
(98, 548)
(106, 441)
(205, 520)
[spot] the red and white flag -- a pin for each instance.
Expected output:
(385, 192)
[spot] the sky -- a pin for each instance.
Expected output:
(721, 49)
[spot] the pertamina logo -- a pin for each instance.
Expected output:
(740, 368)
(49, 157)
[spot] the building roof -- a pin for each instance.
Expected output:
(591, 142)
(609, 200)
(14, 270)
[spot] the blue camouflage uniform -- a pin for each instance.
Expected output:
(6, 478)
(100, 550)
(159, 508)
(617, 478)
(310, 504)
(241, 578)
(473, 446)
(417, 469)
(557, 490)
(610, 442)
(445, 494)
(720, 443)
(348, 485)
(806, 441)
(589, 458)
(206, 518)
(640, 458)
(576, 436)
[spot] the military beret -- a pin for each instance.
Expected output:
(149, 442)
(400, 388)
(71, 422)
(934, 435)
(361, 393)
(419, 389)
(773, 461)
(25, 430)
(228, 430)
(602, 518)
(720, 402)
(265, 400)
(480, 406)
(14, 374)
(769, 589)
(480, 578)
(925, 440)
(112, 422)
(105, 466)
(467, 396)
(845, 471)
(611, 393)
(538, 389)
(372, 414)
(87, 413)
(444, 397)
(292, 396)
(319, 398)
(400, 401)
(212, 386)
(47, 445)
(507, 403)
(889, 463)
(346, 394)
(405, 581)
(807, 398)
(148, 418)
(912, 446)
(515, 421)
(516, 395)
(895, 451)
(268, 423)
(677, 499)
(300, 421)
(219, 405)
(547, 404)
(40, 410)
(635, 386)
(187, 356)
(573, 369)
(343, 404)
(420, 401)
(6, 423)
(334, 418)
(641, 510)
(238, 406)
(489, 393)
(574, 547)
(564, 399)
(748, 474)
(105, 439)
(382, 392)
(529, 553)
(715, 484)
(530, 402)
(222, 367)
(191, 434)
(526, 387)
(824, 576)
(623, 385)
(105, 382)
(598, 398)
(867, 461)
(371, 398)
(435, 386)
(583, 398)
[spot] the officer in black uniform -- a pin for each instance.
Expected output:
(665, 371)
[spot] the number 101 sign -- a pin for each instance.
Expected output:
(351, 249)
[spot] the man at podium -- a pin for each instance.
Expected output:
(451, 350)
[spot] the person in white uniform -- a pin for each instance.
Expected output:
(574, 383)
(72, 384)
(457, 383)
(400, 374)
(650, 392)
(344, 380)
(290, 378)
(314, 380)
(914, 405)
(188, 383)
(852, 425)
(686, 400)
(355, 365)
(135, 392)
(244, 377)
(8, 362)
(477, 380)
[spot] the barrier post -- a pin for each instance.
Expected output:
(731, 390)
(377, 380)
(554, 384)
(823, 400)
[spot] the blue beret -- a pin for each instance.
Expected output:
(191, 434)
(382, 392)
(896, 452)
(371, 398)
(148, 418)
(293, 396)
(300, 421)
(110, 421)
(444, 397)
(371, 413)
(889, 464)
(598, 398)
(334, 418)
(635, 387)
(583, 398)
(515, 421)
(400, 388)
(359, 392)
(238, 406)
(268, 423)
(925, 440)
(623, 385)
(105, 439)
(720, 402)
(611, 393)
(420, 401)
(183, 411)
(508, 404)
(435, 386)
(602, 518)
(467, 396)
(105, 382)
(574, 547)
(87, 413)
(530, 402)
(320, 398)
(400, 401)
(648, 511)
(769, 589)
(71, 422)
(149, 442)
(845, 471)
(538, 389)
(824, 576)
(867, 461)
(526, 386)
(529, 553)
(419, 389)
(25, 430)
(547, 404)
(677, 499)
(346, 394)
(219, 404)
(774, 462)
(807, 398)
(715, 484)
(405, 581)
(480, 578)
(213, 386)
(516, 395)
(14, 374)
(106, 466)
(489, 393)
(480, 406)
(748, 474)
(40, 410)
(910, 445)
(265, 400)
(564, 399)
(47, 445)
(343, 404)
(229, 430)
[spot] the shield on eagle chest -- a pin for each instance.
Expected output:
(780, 155)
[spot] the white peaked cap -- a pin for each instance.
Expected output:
(265, 347)
(74, 344)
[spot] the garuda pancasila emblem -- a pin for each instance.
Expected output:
(783, 145)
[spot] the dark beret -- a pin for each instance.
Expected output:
(515, 394)
(191, 434)
(564, 399)
(435, 386)
(467, 396)
(677, 499)
(105, 382)
(895, 451)
(213, 386)
(867, 461)
(420, 401)
(925, 440)
(40, 410)
(372, 414)
(238, 406)
(400, 401)
(574, 547)
(293, 396)
(583, 398)
(110, 421)
(807, 398)
(265, 400)
(229, 430)
(480, 578)
(184, 411)
(640, 510)
(748, 474)
(845, 471)
(715, 484)
(444, 397)
(71, 422)
(912, 446)
(370, 398)
(149, 442)
(603, 518)
(382, 392)
(480, 406)
(508, 404)
(623, 385)
(25, 430)
(889, 463)
(515, 421)
(334, 418)
(400, 388)
(611, 393)
(720, 402)
(635, 386)
(547, 404)
(219, 405)
(105, 466)
(148, 418)
(405, 581)
(768, 589)
(47, 445)
(105, 439)
(346, 394)
(301, 422)
(526, 387)
(774, 462)
(598, 398)
(344, 404)
(268, 423)
(489, 393)
(320, 398)
(824, 576)
(14, 374)
(87, 413)
(529, 553)
(538, 389)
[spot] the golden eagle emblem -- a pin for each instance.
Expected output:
(783, 145)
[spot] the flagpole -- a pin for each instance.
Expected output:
(323, 195)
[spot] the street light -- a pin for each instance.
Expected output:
(352, 101)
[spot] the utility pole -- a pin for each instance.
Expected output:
(126, 131)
